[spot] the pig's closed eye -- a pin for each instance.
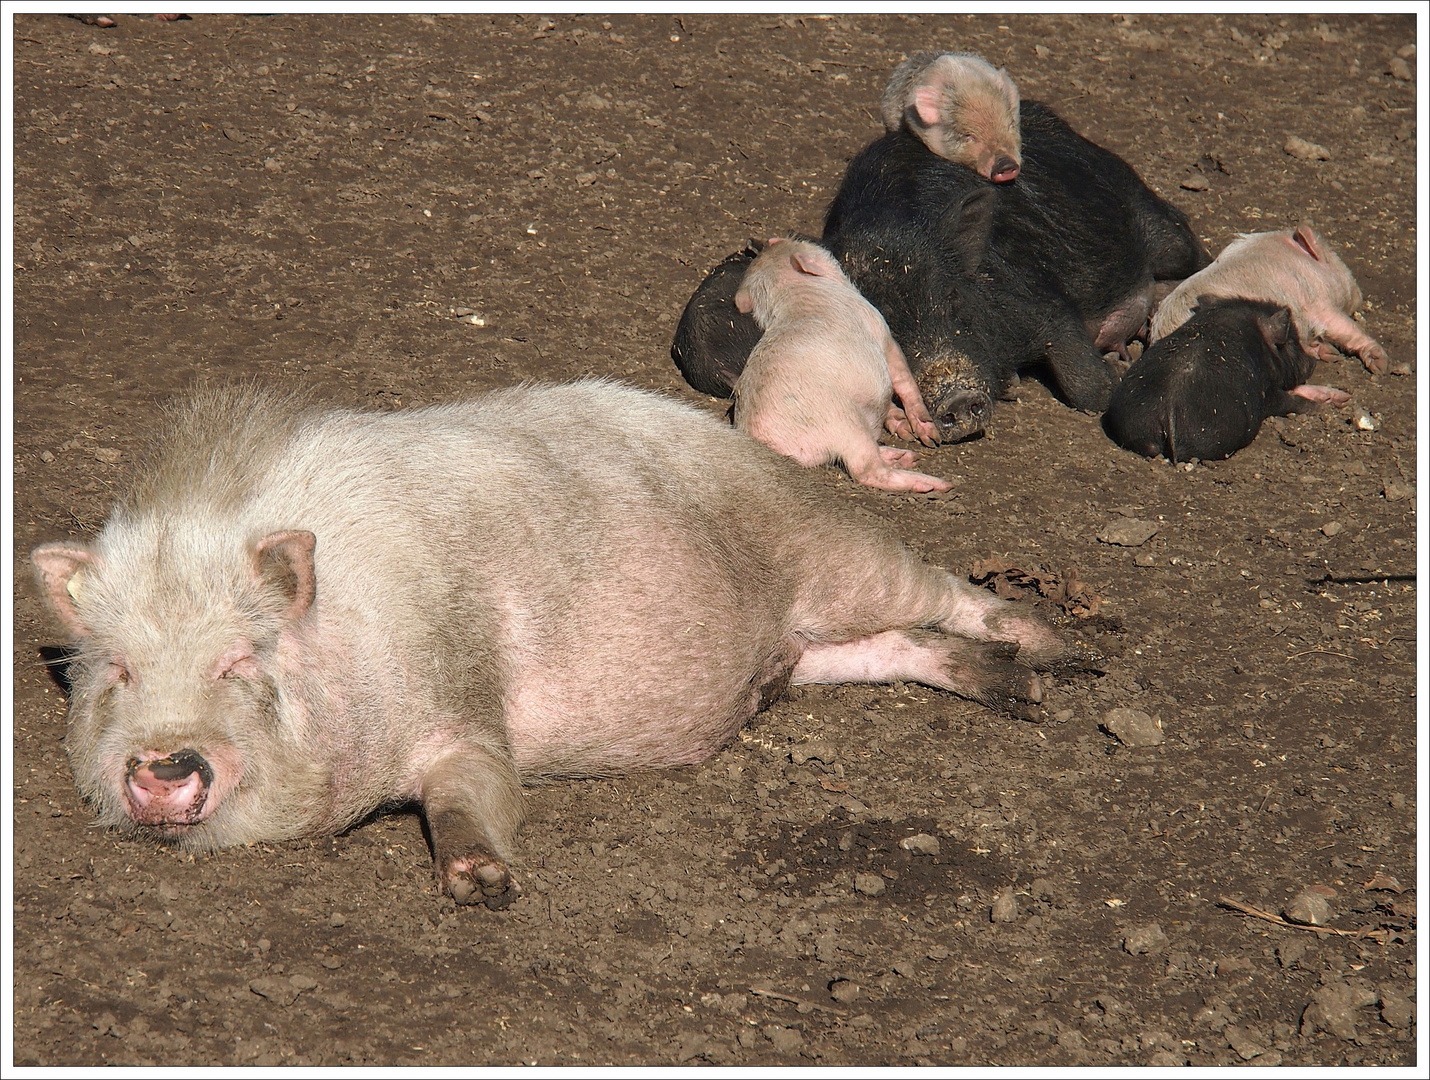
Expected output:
(237, 663)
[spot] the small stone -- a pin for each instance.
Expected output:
(1332, 528)
(1406, 52)
(1246, 1041)
(592, 100)
(1332, 1008)
(1400, 69)
(1291, 953)
(168, 890)
(1398, 490)
(1071, 1039)
(1128, 532)
(922, 844)
(1298, 147)
(692, 1046)
(1043, 51)
(336, 919)
(302, 982)
(1364, 422)
(1168, 1059)
(1396, 1009)
(843, 990)
(869, 884)
(1397, 800)
(1133, 727)
(1195, 181)
(332, 963)
(746, 1038)
(813, 751)
(46, 456)
(905, 968)
(1145, 558)
(279, 991)
(786, 1040)
(96, 49)
(1383, 882)
(104, 1022)
(1311, 906)
(271, 165)
(1145, 940)
(938, 952)
(1004, 908)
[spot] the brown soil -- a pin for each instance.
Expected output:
(315, 200)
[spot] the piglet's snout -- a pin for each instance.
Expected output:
(1004, 169)
(168, 790)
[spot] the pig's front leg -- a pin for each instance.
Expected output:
(1327, 395)
(1345, 333)
(915, 413)
(471, 797)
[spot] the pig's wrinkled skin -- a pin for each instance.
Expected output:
(817, 386)
(1203, 390)
(1296, 268)
(962, 108)
(298, 616)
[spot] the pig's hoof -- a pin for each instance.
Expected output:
(899, 459)
(481, 881)
(1376, 360)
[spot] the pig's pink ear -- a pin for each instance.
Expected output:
(286, 560)
(1306, 239)
(774, 240)
(61, 569)
(743, 303)
(926, 104)
(813, 264)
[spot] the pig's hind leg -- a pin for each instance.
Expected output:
(983, 671)
(872, 610)
(1343, 332)
(471, 797)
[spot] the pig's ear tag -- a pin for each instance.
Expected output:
(286, 560)
(1305, 239)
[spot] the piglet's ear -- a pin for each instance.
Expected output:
(286, 560)
(61, 569)
(926, 105)
(1306, 239)
(1277, 328)
(743, 303)
(814, 264)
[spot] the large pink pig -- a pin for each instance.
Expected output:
(296, 616)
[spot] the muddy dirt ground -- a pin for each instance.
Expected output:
(401, 210)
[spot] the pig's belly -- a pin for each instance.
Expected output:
(647, 672)
(629, 703)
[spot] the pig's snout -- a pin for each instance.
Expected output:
(1004, 169)
(166, 791)
(962, 413)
